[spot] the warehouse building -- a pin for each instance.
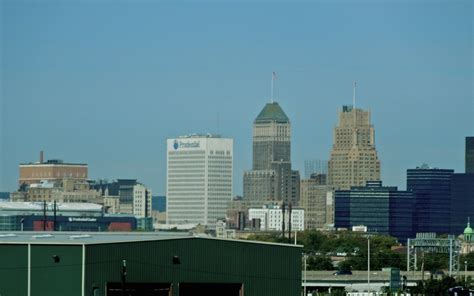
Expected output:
(37, 216)
(135, 264)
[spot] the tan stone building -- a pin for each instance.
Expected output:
(316, 200)
(353, 158)
(51, 170)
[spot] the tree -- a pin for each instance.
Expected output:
(319, 263)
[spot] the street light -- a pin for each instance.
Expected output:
(465, 272)
(368, 263)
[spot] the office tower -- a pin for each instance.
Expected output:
(315, 166)
(51, 170)
(272, 178)
(142, 200)
(469, 155)
(199, 179)
(314, 200)
(382, 209)
(431, 189)
(353, 159)
(462, 201)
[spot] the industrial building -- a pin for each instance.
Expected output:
(39, 216)
(132, 264)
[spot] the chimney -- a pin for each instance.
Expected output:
(41, 156)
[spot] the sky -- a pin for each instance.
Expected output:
(107, 82)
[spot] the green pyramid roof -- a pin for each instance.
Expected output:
(272, 112)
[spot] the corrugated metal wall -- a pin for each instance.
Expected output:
(13, 270)
(48, 278)
(263, 269)
(56, 279)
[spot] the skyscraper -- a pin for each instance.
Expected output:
(271, 177)
(199, 179)
(431, 189)
(469, 155)
(462, 201)
(353, 159)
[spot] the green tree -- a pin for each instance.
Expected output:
(319, 263)
(470, 260)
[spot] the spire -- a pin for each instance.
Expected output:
(354, 85)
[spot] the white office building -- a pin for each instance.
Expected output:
(141, 201)
(199, 179)
(271, 218)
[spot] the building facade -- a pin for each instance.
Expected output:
(469, 155)
(431, 189)
(353, 159)
(271, 177)
(51, 170)
(125, 196)
(384, 210)
(199, 179)
(462, 201)
(93, 264)
(271, 218)
(315, 199)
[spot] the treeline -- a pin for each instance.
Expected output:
(352, 246)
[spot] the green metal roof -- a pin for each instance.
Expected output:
(272, 112)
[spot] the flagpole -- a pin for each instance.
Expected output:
(273, 78)
(354, 95)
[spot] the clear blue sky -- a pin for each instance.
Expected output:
(106, 82)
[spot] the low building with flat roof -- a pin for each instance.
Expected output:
(171, 264)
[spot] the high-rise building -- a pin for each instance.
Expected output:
(271, 178)
(314, 197)
(353, 159)
(51, 170)
(462, 201)
(315, 166)
(199, 179)
(431, 189)
(470, 155)
(381, 209)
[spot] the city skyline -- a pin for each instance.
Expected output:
(107, 86)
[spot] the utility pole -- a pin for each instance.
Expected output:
(44, 215)
(304, 287)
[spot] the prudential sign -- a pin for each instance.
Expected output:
(181, 144)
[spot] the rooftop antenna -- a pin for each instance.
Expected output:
(273, 84)
(354, 94)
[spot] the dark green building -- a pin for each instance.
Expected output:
(148, 264)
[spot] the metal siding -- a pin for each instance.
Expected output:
(56, 279)
(263, 269)
(13, 270)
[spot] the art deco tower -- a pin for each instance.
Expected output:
(271, 177)
(353, 159)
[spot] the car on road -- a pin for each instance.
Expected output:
(343, 272)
